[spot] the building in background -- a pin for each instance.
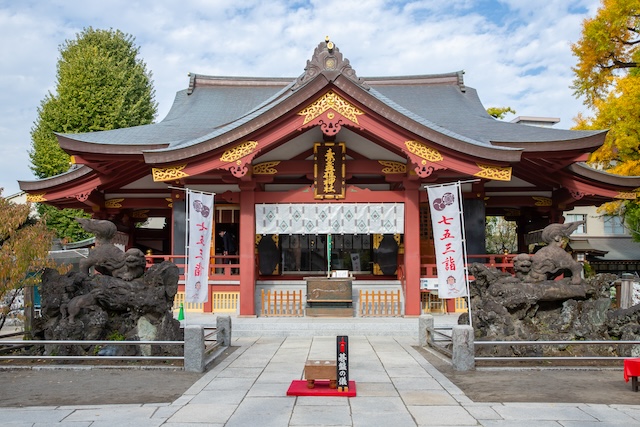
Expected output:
(603, 241)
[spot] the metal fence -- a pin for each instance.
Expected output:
(15, 344)
(198, 350)
(554, 343)
(440, 339)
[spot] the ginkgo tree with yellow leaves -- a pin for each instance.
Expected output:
(24, 246)
(608, 79)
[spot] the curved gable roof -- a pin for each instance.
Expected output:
(215, 106)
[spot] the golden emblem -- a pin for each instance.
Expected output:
(335, 102)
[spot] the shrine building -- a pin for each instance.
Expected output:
(329, 156)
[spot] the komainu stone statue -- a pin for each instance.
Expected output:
(535, 304)
(106, 258)
(120, 301)
(552, 260)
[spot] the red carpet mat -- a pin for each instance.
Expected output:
(299, 388)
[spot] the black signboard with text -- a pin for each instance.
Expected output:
(342, 362)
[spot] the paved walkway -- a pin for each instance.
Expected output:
(395, 386)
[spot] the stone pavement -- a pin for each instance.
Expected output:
(395, 386)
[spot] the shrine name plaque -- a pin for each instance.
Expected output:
(330, 297)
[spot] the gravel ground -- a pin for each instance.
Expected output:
(561, 384)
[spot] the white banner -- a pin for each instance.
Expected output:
(330, 218)
(446, 220)
(200, 226)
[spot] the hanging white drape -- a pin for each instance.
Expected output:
(330, 218)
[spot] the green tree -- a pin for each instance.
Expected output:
(24, 246)
(502, 235)
(102, 84)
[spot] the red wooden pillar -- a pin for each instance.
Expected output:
(247, 243)
(207, 307)
(451, 305)
(412, 247)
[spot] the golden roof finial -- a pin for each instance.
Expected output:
(329, 43)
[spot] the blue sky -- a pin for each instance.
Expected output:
(516, 53)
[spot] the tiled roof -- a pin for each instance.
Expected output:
(210, 111)
(214, 106)
(463, 113)
(192, 117)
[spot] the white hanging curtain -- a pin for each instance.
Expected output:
(330, 218)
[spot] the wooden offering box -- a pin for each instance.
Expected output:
(321, 370)
(329, 297)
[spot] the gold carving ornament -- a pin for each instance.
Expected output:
(113, 203)
(542, 201)
(333, 101)
(392, 167)
(141, 214)
(169, 173)
(423, 151)
(36, 197)
(266, 168)
(494, 172)
(239, 151)
(626, 195)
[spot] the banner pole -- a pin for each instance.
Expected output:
(464, 252)
(186, 250)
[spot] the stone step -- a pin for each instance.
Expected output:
(321, 326)
(311, 327)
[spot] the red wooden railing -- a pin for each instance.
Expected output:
(503, 262)
(227, 267)
(221, 267)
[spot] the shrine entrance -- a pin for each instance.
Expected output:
(308, 253)
(363, 254)
(315, 238)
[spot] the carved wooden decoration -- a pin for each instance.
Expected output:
(331, 101)
(36, 197)
(423, 157)
(391, 167)
(169, 173)
(113, 203)
(266, 168)
(496, 173)
(626, 195)
(542, 201)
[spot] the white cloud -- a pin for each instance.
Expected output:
(515, 52)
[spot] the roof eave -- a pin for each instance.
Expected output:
(583, 144)
(74, 146)
(583, 170)
(73, 174)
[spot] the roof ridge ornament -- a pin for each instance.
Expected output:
(327, 57)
